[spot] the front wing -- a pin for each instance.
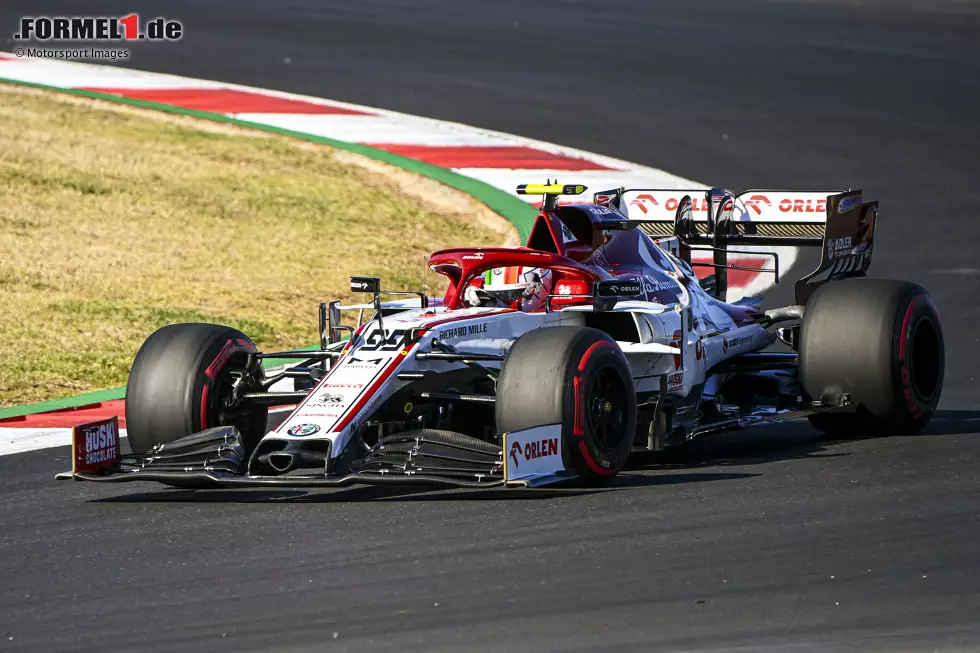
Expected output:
(216, 458)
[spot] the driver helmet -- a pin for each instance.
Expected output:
(510, 284)
(505, 284)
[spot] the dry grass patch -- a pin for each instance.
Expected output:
(115, 221)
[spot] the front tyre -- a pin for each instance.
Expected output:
(179, 382)
(578, 378)
(880, 341)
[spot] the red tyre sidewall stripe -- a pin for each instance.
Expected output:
(590, 461)
(578, 425)
(905, 326)
(212, 371)
(904, 367)
(204, 406)
(591, 350)
(578, 390)
(578, 428)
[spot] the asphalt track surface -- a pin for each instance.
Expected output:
(778, 541)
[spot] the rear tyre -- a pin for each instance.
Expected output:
(578, 378)
(880, 341)
(178, 383)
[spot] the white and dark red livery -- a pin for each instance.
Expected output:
(555, 360)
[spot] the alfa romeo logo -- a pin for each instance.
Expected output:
(301, 430)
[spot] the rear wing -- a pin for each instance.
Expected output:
(793, 217)
(838, 221)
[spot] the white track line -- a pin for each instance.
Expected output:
(13, 440)
(16, 440)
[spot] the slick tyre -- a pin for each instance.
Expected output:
(880, 341)
(178, 382)
(577, 378)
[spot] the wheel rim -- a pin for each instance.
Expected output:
(607, 408)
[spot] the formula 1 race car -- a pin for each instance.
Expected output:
(551, 361)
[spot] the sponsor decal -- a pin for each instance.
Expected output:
(474, 257)
(698, 205)
(333, 398)
(598, 210)
(756, 203)
(652, 284)
(533, 453)
(620, 288)
(376, 341)
(675, 381)
(566, 234)
(803, 206)
(357, 363)
(365, 284)
(515, 451)
(533, 450)
(97, 444)
(728, 343)
(837, 247)
(302, 430)
(327, 399)
(459, 332)
(568, 289)
(641, 201)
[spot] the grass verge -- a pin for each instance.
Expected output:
(116, 221)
